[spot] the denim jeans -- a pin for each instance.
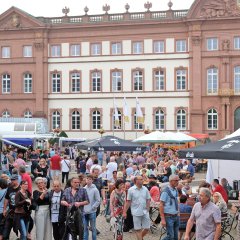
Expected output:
(24, 224)
(90, 218)
(172, 226)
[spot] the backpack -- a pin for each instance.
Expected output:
(172, 198)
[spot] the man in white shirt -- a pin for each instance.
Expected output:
(96, 166)
(112, 166)
(65, 167)
(90, 163)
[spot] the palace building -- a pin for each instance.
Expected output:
(75, 71)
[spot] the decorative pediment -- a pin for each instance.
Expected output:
(214, 9)
(15, 18)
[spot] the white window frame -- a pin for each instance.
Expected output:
(159, 119)
(181, 79)
(120, 120)
(237, 80)
(75, 82)
(56, 82)
(96, 78)
(159, 46)
(137, 47)
(96, 49)
(212, 119)
(27, 80)
(212, 44)
(76, 120)
(96, 120)
(237, 43)
(181, 45)
(6, 83)
(212, 81)
(137, 126)
(6, 52)
(116, 48)
(6, 114)
(138, 80)
(159, 78)
(75, 50)
(116, 81)
(27, 114)
(181, 119)
(55, 50)
(27, 51)
(56, 119)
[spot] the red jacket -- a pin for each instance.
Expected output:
(223, 192)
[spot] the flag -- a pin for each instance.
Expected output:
(116, 117)
(125, 111)
(139, 114)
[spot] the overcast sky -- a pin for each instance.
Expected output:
(53, 8)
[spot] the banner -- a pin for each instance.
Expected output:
(139, 114)
(125, 111)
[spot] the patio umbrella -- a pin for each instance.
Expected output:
(111, 143)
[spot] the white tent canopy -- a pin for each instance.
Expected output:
(165, 137)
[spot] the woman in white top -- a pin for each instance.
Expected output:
(66, 167)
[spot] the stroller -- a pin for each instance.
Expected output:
(74, 224)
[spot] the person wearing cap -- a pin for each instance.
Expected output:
(9, 202)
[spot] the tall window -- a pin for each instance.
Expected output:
(212, 119)
(75, 120)
(27, 78)
(159, 78)
(6, 114)
(237, 79)
(181, 119)
(138, 81)
(181, 79)
(6, 83)
(95, 49)
(75, 82)
(56, 120)
(27, 51)
(181, 46)
(159, 120)
(75, 50)
(212, 44)
(137, 47)
(116, 81)
(56, 82)
(137, 126)
(27, 114)
(116, 48)
(96, 81)
(158, 46)
(115, 124)
(237, 43)
(55, 51)
(6, 52)
(96, 120)
(212, 80)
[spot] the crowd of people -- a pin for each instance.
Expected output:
(129, 186)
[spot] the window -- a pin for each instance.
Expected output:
(27, 83)
(27, 51)
(158, 46)
(181, 46)
(159, 120)
(116, 48)
(116, 81)
(56, 117)
(75, 82)
(75, 120)
(181, 79)
(212, 80)
(55, 51)
(181, 119)
(27, 114)
(236, 42)
(56, 82)
(96, 82)
(159, 79)
(137, 47)
(137, 126)
(75, 50)
(138, 81)
(95, 49)
(6, 114)
(115, 124)
(212, 44)
(237, 79)
(96, 120)
(5, 52)
(212, 119)
(6, 83)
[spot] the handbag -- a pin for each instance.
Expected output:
(69, 166)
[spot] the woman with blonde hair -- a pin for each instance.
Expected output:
(219, 201)
(42, 170)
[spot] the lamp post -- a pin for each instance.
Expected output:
(147, 130)
(56, 131)
(101, 131)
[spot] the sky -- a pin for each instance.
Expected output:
(53, 8)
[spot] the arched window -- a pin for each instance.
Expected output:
(56, 120)
(181, 119)
(96, 120)
(27, 78)
(27, 114)
(237, 79)
(212, 116)
(159, 120)
(117, 120)
(212, 80)
(76, 120)
(6, 114)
